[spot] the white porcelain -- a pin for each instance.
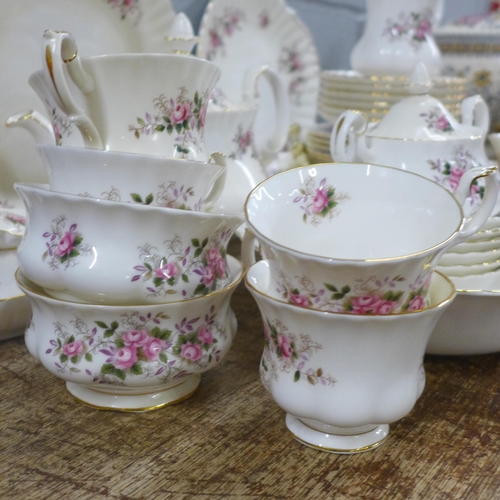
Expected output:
(93, 250)
(357, 238)
(476, 246)
(181, 38)
(146, 179)
(137, 103)
(470, 269)
(100, 26)
(131, 357)
(230, 126)
(397, 34)
(343, 374)
(15, 309)
(12, 226)
(469, 258)
(489, 231)
(471, 324)
(238, 36)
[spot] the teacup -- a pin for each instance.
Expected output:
(358, 238)
(99, 251)
(131, 357)
(137, 103)
(146, 179)
(342, 378)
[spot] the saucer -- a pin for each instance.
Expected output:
(15, 309)
(352, 443)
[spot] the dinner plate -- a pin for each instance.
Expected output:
(241, 35)
(15, 309)
(100, 26)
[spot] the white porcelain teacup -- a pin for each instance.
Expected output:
(358, 238)
(99, 251)
(131, 357)
(137, 103)
(342, 378)
(127, 177)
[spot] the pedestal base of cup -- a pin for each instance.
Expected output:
(344, 441)
(128, 399)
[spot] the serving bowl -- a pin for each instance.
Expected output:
(131, 357)
(343, 378)
(146, 179)
(100, 251)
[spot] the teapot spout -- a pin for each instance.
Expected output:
(36, 124)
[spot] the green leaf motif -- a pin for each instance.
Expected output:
(108, 333)
(163, 357)
(200, 289)
(101, 324)
(149, 199)
(136, 369)
(63, 358)
(88, 357)
(141, 122)
(296, 376)
(74, 359)
(160, 128)
(198, 251)
(185, 278)
(136, 197)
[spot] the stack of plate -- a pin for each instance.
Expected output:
(479, 255)
(318, 143)
(375, 95)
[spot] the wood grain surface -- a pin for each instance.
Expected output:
(229, 439)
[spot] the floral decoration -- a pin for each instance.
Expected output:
(180, 116)
(126, 8)
(448, 172)
(290, 63)
(61, 124)
(164, 272)
(367, 296)
(223, 26)
(287, 352)
(244, 142)
(264, 18)
(63, 245)
(318, 202)
(412, 26)
(435, 119)
(18, 220)
(136, 345)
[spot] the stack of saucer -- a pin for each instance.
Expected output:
(318, 143)
(374, 95)
(126, 269)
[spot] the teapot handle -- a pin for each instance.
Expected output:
(475, 112)
(343, 139)
(478, 219)
(59, 52)
(280, 133)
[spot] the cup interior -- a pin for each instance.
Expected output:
(353, 211)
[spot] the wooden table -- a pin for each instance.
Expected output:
(229, 439)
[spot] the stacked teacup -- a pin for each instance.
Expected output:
(348, 292)
(126, 270)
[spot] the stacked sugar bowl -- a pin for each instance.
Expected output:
(126, 270)
(348, 292)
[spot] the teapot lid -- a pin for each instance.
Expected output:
(421, 116)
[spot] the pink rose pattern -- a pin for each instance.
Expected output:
(138, 346)
(436, 120)
(285, 351)
(180, 116)
(126, 8)
(61, 125)
(366, 297)
(413, 27)
(63, 245)
(290, 63)
(18, 220)
(318, 202)
(244, 142)
(223, 27)
(449, 172)
(165, 273)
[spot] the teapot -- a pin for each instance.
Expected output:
(418, 134)
(229, 128)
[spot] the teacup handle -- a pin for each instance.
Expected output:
(248, 249)
(279, 135)
(59, 52)
(220, 182)
(478, 219)
(475, 112)
(347, 127)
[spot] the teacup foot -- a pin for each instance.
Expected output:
(134, 399)
(345, 442)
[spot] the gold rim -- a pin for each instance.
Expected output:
(340, 450)
(443, 303)
(135, 410)
(338, 259)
